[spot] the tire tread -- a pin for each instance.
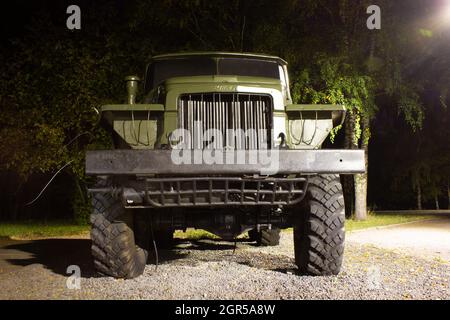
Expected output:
(113, 246)
(319, 233)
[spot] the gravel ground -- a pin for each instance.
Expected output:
(208, 269)
(434, 238)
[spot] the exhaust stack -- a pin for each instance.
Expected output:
(132, 88)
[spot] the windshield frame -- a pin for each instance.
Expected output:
(217, 59)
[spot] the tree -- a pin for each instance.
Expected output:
(50, 92)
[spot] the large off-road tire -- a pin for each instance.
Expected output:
(319, 227)
(265, 237)
(114, 249)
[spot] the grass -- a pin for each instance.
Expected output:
(35, 229)
(378, 220)
(194, 234)
(373, 220)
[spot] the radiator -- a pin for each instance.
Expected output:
(243, 120)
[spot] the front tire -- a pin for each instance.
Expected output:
(114, 249)
(319, 227)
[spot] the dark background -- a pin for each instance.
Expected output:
(51, 77)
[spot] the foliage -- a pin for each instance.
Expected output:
(195, 234)
(332, 80)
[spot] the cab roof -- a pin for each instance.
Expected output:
(217, 54)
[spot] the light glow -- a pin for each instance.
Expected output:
(446, 11)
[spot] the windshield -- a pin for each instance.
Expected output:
(162, 70)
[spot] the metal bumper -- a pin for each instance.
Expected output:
(158, 181)
(160, 162)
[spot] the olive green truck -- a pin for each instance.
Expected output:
(217, 144)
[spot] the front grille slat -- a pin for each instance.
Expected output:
(247, 115)
(223, 191)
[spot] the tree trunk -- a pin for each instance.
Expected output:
(361, 180)
(16, 205)
(436, 201)
(347, 180)
(419, 195)
(360, 196)
(448, 194)
(14, 208)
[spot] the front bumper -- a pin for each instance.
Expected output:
(161, 162)
(152, 178)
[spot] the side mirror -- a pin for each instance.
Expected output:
(132, 88)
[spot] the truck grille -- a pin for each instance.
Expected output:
(224, 191)
(243, 120)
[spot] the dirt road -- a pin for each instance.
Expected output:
(208, 269)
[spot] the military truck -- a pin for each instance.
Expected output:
(218, 144)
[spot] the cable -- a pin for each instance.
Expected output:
(154, 244)
(133, 130)
(57, 172)
(148, 128)
(299, 141)
(81, 134)
(48, 183)
(314, 133)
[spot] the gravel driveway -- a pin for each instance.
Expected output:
(208, 269)
(424, 239)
